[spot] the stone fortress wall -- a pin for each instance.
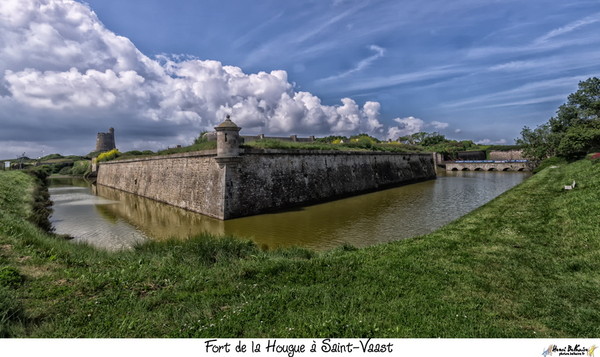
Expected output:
(506, 155)
(234, 182)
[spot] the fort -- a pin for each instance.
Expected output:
(105, 141)
(234, 182)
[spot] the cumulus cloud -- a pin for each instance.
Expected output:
(407, 126)
(410, 125)
(62, 73)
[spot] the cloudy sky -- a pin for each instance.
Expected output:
(160, 72)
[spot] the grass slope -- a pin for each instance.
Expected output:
(524, 265)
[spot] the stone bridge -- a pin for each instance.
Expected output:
(488, 165)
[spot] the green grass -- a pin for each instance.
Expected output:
(200, 146)
(524, 265)
(351, 146)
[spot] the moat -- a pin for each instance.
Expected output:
(113, 219)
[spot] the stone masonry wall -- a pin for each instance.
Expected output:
(262, 180)
(272, 179)
(506, 155)
(192, 181)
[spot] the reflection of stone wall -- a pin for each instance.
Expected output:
(506, 155)
(262, 180)
(155, 219)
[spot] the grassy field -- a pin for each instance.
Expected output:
(524, 265)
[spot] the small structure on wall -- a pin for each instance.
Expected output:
(105, 141)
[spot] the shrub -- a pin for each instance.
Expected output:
(81, 168)
(65, 171)
(109, 155)
(40, 172)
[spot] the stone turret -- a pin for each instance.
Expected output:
(228, 139)
(106, 141)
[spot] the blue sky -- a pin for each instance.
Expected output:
(485, 67)
(478, 70)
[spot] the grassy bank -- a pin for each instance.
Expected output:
(524, 265)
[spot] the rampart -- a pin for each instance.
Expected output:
(233, 182)
(262, 180)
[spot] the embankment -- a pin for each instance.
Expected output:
(524, 265)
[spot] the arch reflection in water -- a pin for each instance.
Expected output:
(363, 220)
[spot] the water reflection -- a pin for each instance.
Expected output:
(82, 215)
(368, 219)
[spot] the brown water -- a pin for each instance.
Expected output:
(114, 220)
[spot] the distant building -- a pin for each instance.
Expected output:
(106, 141)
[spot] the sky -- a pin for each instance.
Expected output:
(160, 72)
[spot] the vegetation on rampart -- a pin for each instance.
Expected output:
(108, 155)
(524, 265)
(357, 145)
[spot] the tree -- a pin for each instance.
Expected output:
(579, 140)
(433, 139)
(573, 131)
(423, 138)
(539, 143)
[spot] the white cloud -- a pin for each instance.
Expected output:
(411, 125)
(436, 73)
(61, 68)
(491, 142)
(407, 126)
(379, 52)
(439, 125)
(569, 27)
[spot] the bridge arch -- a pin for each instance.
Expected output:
(491, 169)
(506, 169)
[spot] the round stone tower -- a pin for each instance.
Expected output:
(105, 141)
(228, 139)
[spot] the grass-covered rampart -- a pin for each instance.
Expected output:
(524, 265)
(358, 145)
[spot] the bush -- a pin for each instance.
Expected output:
(81, 168)
(108, 156)
(65, 171)
(40, 172)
